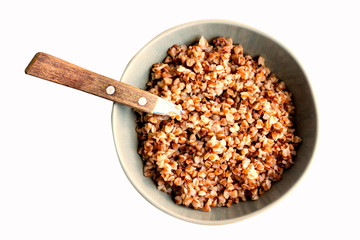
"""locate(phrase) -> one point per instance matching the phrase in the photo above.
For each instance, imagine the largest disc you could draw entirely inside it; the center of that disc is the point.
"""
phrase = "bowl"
(280, 61)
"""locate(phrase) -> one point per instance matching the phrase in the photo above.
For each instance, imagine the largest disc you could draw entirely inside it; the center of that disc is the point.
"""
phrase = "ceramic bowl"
(280, 61)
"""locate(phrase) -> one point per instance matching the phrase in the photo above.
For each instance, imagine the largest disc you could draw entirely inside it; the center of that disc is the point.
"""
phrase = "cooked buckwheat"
(236, 136)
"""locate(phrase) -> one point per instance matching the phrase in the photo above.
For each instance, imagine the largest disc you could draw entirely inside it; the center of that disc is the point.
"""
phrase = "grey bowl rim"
(316, 134)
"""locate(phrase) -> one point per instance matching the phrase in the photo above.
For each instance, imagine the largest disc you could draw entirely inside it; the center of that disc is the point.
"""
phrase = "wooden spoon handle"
(59, 71)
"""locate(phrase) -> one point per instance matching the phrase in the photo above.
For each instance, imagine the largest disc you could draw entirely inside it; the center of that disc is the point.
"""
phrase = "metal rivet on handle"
(142, 101)
(110, 90)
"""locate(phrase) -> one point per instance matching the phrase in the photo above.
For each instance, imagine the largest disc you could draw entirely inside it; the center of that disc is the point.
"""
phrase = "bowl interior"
(255, 43)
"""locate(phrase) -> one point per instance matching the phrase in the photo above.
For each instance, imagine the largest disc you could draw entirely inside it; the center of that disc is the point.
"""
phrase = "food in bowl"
(236, 135)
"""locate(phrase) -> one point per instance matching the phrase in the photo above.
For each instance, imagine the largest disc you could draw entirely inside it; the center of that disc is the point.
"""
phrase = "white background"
(59, 173)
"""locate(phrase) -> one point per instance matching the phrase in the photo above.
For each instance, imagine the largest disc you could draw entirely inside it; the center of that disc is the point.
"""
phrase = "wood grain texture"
(59, 71)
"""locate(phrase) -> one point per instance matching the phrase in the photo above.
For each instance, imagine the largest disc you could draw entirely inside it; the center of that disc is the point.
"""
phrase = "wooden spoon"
(59, 71)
